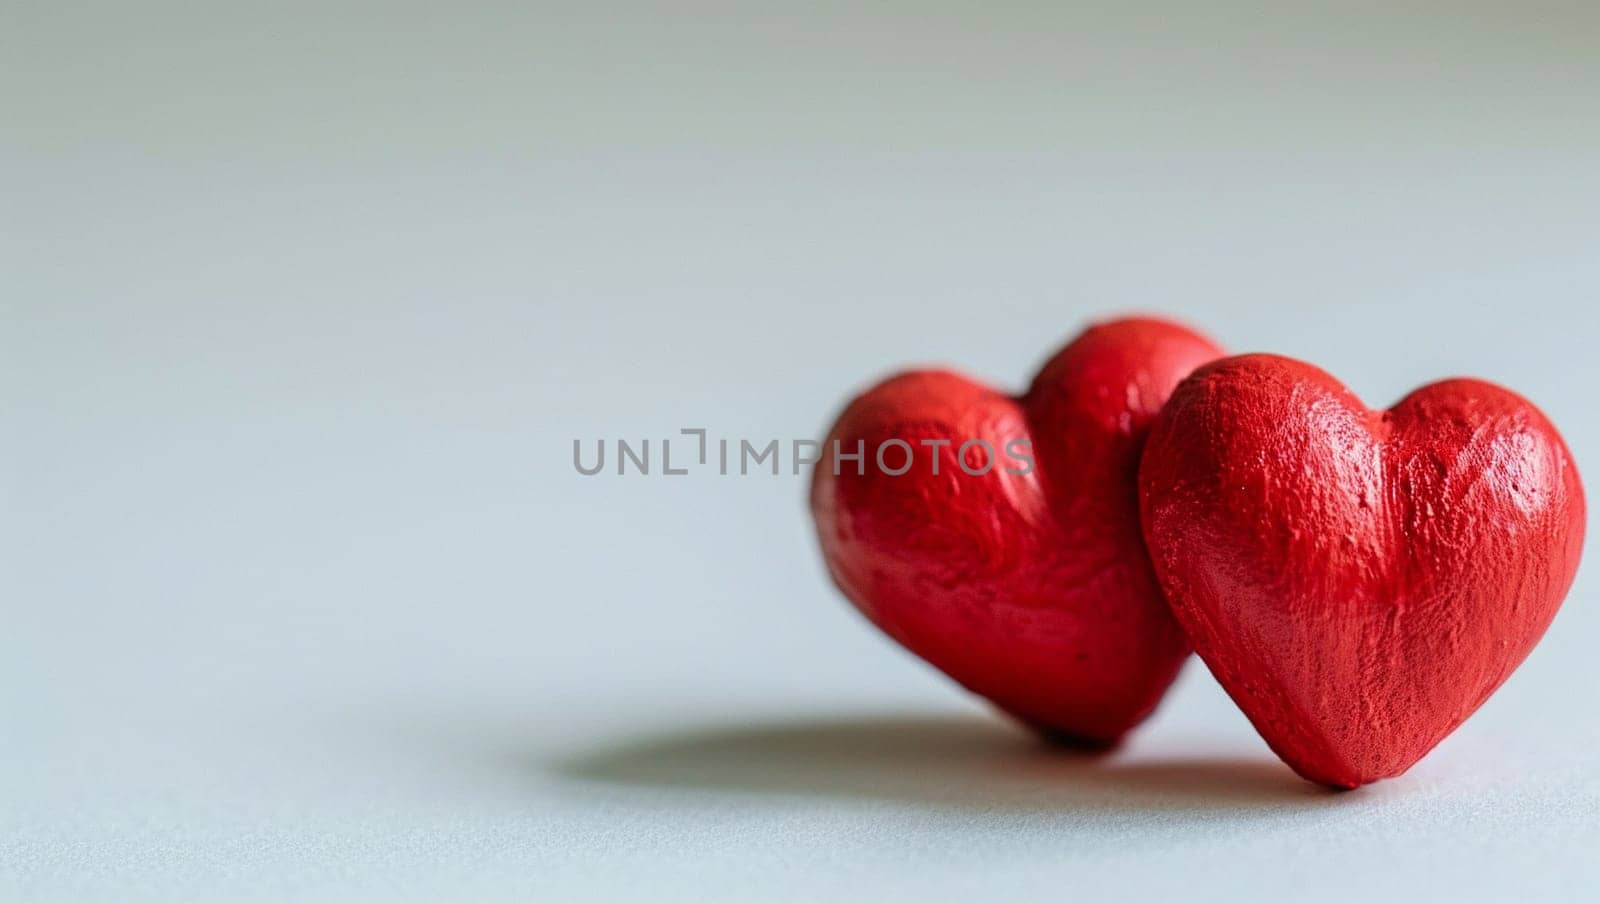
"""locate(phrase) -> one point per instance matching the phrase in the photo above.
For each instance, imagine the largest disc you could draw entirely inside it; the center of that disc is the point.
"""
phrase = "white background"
(303, 309)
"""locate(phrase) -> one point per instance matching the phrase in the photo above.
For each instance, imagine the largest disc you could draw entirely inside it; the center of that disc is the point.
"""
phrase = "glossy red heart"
(1028, 583)
(1358, 581)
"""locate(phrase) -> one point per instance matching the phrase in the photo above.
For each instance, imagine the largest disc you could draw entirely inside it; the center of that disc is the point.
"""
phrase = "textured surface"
(1021, 571)
(1358, 581)
(305, 302)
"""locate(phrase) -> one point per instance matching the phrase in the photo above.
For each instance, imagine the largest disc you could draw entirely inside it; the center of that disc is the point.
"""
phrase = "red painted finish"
(1358, 581)
(1033, 590)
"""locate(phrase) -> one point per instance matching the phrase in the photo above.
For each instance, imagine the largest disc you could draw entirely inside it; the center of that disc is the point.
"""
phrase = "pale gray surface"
(303, 309)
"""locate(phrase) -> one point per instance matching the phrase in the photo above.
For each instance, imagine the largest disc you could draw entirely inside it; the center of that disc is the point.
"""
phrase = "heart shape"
(1028, 582)
(1358, 581)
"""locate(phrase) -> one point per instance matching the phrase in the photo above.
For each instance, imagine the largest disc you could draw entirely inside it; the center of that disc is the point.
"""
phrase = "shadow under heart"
(941, 761)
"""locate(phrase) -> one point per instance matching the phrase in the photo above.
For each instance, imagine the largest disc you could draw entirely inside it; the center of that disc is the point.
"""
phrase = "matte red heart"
(1028, 583)
(1358, 581)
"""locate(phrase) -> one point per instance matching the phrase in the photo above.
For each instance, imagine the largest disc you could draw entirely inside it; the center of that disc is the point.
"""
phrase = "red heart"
(1358, 581)
(1031, 589)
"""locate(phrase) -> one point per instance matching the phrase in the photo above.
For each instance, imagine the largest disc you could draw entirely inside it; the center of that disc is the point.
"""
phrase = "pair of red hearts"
(1358, 581)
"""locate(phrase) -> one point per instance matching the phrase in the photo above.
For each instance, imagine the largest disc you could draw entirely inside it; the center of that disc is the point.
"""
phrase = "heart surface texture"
(1358, 581)
(1027, 583)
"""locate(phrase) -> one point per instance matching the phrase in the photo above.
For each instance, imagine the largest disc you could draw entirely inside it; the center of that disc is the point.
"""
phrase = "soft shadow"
(941, 761)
